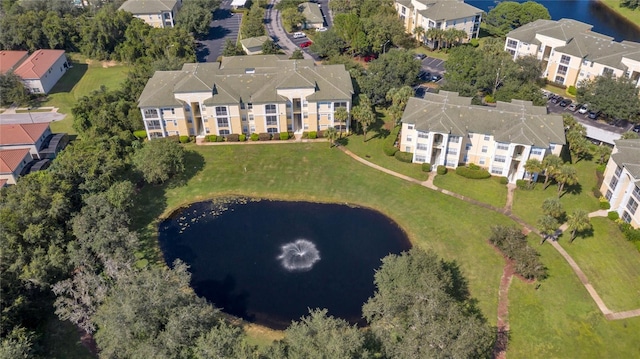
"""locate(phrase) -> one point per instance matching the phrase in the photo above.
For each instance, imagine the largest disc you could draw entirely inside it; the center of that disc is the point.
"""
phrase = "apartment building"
(446, 129)
(40, 71)
(621, 184)
(157, 13)
(570, 52)
(245, 95)
(439, 14)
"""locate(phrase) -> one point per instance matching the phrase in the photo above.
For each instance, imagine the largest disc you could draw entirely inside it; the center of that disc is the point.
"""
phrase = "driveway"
(275, 29)
(34, 117)
(225, 25)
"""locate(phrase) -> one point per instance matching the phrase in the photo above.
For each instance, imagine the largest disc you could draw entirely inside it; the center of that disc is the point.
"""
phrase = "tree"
(231, 49)
(160, 159)
(615, 96)
(297, 55)
(532, 166)
(195, 16)
(551, 165)
(567, 175)
(223, 341)
(421, 309)
(629, 135)
(12, 90)
(252, 22)
(602, 153)
(578, 221)
(419, 31)
(319, 335)
(510, 15)
(341, 115)
(292, 18)
(350, 29)
(547, 226)
(331, 134)
(552, 207)
(398, 98)
(328, 44)
(269, 47)
(101, 35)
(396, 68)
(363, 114)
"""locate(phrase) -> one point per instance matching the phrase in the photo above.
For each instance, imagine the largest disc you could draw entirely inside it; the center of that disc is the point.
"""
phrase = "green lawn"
(629, 14)
(80, 81)
(611, 263)
(527, 203)
(488, 190)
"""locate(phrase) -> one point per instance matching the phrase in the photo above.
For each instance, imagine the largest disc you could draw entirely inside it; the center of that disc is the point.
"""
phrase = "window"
(607, 71)
(245, 129)
(409, 127)
(564, 59)
(154, 125)
(467, 147)
(454, 139)
(272, 120)
(421, 147)
(552, 147)
(636, 192)
(632, 205)
(613, 183)
(224, 132)
(190, 120)
(559, 80)
(503, 146)
(452, 151)
(407, 149)
(404, 10)
(608, 195)
(272, 130)
(536, 151)
(242, 105)
(270, 108)
(250, 117)
(512, 43)
(409, 139)
(562, 70)
(618, 171)
(421, 159)
(151, 113)
(486, 137)
(253, 129)
(451, 163)
(496, 170)
(626, 217)
(206, 129)
(501, 159)
(244, 118)
(423, 135)
(249, 106)
(482, 160)
(223, 122)
(484, 149)
(221, 111)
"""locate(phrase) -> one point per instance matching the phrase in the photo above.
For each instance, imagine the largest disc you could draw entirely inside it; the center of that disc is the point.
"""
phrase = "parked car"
(436, 78)
(636, 129)
(424, 76)
(565, 102)
(594, 115)
(419, 56)
(573, 107)
(583, 109)
(550, 95)
(306, 44)
(420, 91)
(321, 29)
(299, 35)
(557, 99)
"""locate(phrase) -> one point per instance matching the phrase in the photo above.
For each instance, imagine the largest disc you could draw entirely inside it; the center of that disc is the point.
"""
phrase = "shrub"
(389, 145)
(212, 138)
(242, 137)
(254, 137)
(629, 232)
(467, 172)
(234, 137)
(604, 204)
(313, 135)
(275, 136)
(473, 166)
(284, 136)
(489, 99)
(504, 180)
(441, 170)
(426, 167)
(320, 134)
(613, 215)
(184, 139)
(174, 138)
(596, 192)
(513, 244)
(220, 139)
(601, 168)
(522, 184)
(572, 90)
(140, 134)
(264, 136)
(305, 134)
(404, 156)
(474, 42)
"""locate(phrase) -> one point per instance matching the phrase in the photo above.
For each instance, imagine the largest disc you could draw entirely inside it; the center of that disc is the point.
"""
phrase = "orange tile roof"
(21, 134)
(3, 182)
(38, 64)
(10, 159)
(10, 59)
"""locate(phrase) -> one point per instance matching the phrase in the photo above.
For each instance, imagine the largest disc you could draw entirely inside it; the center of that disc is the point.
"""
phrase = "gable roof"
(10, 159)
(138, 7)
(311, 12)
(516, 122)
(9, 60)
(449, 10)
(563, 29)
(38, 64)
(628, 156)
(21, 134)
(254, 41)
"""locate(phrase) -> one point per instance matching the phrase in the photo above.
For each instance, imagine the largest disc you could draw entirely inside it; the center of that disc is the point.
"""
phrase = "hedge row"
(404, 156)
(313, 134)
(234, 137)
(473, 173)
(513, 244)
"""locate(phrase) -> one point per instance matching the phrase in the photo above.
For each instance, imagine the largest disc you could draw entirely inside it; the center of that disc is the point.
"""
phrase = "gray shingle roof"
(312, 13)
(137, 7)
(254, 41)
(564, 29)
(517, 122)
(628, 156)
(449, 10)
(254, 79)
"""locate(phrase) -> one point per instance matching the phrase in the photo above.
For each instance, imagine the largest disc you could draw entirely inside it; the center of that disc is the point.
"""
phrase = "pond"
(269, 261)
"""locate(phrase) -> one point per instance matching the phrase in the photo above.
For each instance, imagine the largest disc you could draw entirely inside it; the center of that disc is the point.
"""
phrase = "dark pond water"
(268, 261)
(591, 12)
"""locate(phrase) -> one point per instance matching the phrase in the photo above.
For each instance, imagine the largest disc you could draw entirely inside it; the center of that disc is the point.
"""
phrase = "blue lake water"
(591, 12)
(268, 261)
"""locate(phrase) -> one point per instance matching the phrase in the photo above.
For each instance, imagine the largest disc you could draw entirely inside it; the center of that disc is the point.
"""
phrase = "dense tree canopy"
(195, 16)
(396, 68)
(615, 96)
(159, 160)
(510, 15)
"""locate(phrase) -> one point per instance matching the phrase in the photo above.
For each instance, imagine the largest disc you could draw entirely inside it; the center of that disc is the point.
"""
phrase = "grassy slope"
(80, 81)
(631, 15)
(488, 190)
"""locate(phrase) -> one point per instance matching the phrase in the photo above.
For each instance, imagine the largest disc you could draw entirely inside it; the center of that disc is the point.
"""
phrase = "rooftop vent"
(250, 70)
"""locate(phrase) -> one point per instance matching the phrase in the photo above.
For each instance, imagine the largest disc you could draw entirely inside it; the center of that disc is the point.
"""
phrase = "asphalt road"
(225, 25)
(582, 118)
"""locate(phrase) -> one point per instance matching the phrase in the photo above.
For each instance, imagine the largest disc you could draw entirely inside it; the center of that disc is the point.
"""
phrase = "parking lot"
(225, 25)
(433, 65)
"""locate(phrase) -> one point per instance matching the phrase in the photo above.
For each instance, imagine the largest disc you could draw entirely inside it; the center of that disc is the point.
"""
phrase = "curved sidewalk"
(507, 212)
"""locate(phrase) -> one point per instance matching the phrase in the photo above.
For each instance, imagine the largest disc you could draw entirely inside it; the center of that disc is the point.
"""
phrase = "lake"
(269, 261)
(603, 20)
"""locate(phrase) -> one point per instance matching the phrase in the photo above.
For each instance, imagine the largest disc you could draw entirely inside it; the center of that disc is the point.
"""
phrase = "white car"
(321, 29)
(297, 35)
(583, 109)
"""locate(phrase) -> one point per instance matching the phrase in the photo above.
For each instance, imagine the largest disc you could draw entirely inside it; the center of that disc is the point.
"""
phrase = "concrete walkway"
(507, 211)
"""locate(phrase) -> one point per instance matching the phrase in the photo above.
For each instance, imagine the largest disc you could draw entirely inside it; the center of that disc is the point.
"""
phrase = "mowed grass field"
(83, 78)
(557, 320)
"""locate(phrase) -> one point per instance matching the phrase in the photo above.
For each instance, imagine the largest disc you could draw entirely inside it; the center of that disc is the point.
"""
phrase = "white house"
(42, 70)
(621, 184)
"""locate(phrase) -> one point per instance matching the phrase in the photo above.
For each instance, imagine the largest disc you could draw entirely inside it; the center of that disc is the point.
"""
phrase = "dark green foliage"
(184, 139)
(426, 167)
(510, 15)
(442, 170)
(12, 90)
(297, 55)
(254, 137)
(604, 204)
(513, 244)
(394, 69)
(220, 139)
(523, 184)
(313, 135)
(629, 232)
(159, 159)
(284, 136)
(468, 172)
(242, 137)
(631, 4)
(389, 150)
(264, 136)
(232, 49)
(422, 309)
(212, 138)
(614, 96)
(504, 180)
(196, 15)
(234, 137)
(613, 215)
(270, 47)
(105, 113)
(252, 22)
(596, 192)
(404, 156)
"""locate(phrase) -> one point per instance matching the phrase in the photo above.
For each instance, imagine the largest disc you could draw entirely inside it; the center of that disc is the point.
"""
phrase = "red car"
(306, 44)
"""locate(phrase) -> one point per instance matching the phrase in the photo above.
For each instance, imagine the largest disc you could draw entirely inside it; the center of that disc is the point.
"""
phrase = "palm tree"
(552, 207)
(434, 35)
(341, 115)
(548, 226)
(461, 35)
(602, 152)
(449, 36)
(331, 134)
(532, 166)
(578, 221)
(551, 164)
(567, 175)
(399, 98)
(419, 31)
(365, 117)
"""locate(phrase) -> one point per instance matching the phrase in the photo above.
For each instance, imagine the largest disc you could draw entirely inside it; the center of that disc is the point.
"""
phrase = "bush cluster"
(630, 233)
(284, 136)
(426, 167)
(184, 139)
(404, 156)
(388, 146)
(212, 138)
(242, 137)
(572, 90)
(140, 134)
(473, 173)
(254, 137)
(264, 136)
(604, 204)
(234, 137)
(441, 170)
(504, 180)
(513, 244)
(596, 192)
(312, 135)
(522, 184)
(613, 215)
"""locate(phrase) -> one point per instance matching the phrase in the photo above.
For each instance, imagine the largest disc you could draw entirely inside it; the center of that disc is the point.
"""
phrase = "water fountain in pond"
(299, 256)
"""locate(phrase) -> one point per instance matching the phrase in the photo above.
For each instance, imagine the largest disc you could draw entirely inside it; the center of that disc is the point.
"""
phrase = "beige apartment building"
(439, 14)
(621, 184)
(570, 52)
(245, 95)
(157, 13)
(446, 129)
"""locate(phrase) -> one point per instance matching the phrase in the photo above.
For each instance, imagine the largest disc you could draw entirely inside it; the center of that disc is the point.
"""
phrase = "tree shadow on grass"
(572, 189)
